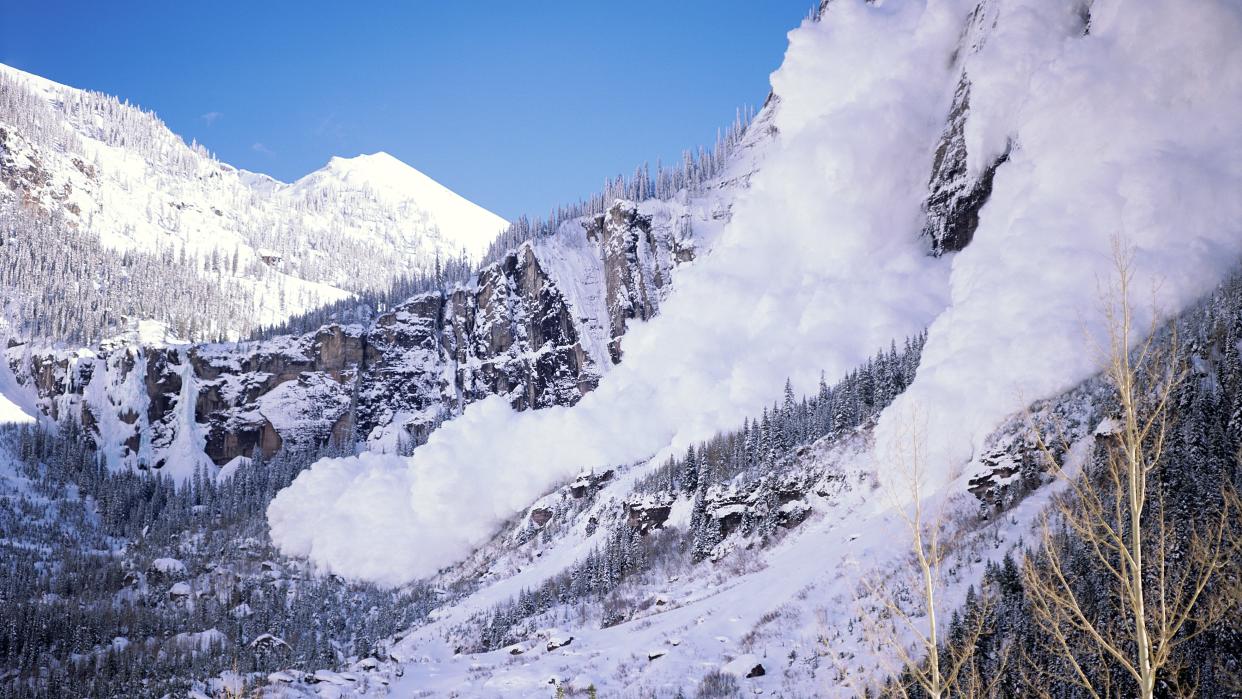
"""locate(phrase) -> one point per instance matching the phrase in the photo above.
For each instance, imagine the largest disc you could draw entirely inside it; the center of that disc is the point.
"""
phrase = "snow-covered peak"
(460, 221)
(109, 168)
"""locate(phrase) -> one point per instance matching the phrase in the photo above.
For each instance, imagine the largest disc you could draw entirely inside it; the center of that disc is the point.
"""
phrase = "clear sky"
(516, 105)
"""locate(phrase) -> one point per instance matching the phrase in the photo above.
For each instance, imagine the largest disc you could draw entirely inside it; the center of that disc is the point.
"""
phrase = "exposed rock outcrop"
(514, 332)
(632, 283)
(955, 197)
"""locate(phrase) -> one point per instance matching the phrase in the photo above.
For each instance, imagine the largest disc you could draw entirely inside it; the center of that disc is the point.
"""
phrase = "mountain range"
(690, 436)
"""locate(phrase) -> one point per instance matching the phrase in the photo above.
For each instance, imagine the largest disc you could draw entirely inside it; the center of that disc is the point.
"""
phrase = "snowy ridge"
(119, 173)
(421, 203)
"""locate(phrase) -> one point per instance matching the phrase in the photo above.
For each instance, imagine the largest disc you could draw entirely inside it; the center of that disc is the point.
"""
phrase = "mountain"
(422, 205)
(114, 172)
(694, 434)
(537, 328)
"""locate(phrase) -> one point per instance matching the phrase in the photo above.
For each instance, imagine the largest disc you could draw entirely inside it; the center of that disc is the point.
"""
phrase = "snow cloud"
(1128, 130)
(815, 271)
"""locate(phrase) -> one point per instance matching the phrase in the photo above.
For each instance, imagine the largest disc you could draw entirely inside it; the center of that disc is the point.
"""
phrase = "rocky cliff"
(532, 327)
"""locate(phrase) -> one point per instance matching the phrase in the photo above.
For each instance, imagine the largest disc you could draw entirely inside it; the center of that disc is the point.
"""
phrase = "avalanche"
(1128, 133)
(822, 263)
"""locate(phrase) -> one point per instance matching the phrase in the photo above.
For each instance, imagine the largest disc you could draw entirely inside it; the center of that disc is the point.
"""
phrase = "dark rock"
(649, 513)
(625, 237)
(588, 483)
(557, 642)
(955, 199)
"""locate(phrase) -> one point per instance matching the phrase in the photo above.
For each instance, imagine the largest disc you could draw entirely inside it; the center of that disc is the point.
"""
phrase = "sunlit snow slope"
(117, 172)
(1123, 127)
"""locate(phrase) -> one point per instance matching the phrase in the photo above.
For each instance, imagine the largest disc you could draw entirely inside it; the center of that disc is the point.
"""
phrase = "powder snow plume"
(1123, 131)
(1129, 132)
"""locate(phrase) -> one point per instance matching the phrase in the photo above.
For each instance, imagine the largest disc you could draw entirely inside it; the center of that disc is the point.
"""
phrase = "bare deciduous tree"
(1161, 578)
(910, 603)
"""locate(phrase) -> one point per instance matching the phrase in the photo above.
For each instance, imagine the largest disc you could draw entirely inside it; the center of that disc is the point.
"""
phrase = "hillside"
(690, 435)
(110, 172)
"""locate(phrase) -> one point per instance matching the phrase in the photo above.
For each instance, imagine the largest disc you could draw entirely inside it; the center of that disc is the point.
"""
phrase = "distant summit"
(458, 220)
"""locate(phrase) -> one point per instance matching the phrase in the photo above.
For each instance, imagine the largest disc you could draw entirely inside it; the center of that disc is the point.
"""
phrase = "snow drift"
(822, 264)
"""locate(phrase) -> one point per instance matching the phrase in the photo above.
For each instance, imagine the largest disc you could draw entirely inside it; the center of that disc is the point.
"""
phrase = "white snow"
(201, 640)
(355, 223)
(1130, 131)
(819, 267)
(185, 455)
(234, 465)
(461, 223)
(16, 405)
(168, 566)
(741, 665)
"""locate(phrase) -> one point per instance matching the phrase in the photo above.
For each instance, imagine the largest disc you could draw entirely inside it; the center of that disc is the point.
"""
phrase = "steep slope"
(943, 185)
(113, 171)
(823, 257)
(538, 328)
(389, 187)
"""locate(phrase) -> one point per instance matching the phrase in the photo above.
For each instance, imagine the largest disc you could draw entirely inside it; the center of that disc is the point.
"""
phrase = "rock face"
(955, 197)
(955, 193)
(520, 331)
(649, 512)
(632, 284)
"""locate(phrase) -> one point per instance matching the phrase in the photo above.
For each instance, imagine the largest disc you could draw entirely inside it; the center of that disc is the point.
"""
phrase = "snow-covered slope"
(823, 263)
(538, 328)
(117, 172)
(422, 205)
(940, 189)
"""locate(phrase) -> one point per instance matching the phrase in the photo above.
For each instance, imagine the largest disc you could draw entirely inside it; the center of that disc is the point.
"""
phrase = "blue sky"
(516, 105)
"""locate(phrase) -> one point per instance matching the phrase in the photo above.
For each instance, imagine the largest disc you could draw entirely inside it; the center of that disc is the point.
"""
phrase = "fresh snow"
(1130, 131)
(185, 455)
(168, 566)
(357, 223)
(801, 592)
(820, 260)
(821, 263)
(462, 224)
(16, 405)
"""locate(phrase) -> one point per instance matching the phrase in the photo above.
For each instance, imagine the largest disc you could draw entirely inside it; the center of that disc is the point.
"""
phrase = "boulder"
(540, 516)
(179, 592)
(745, 666)
(559, 642)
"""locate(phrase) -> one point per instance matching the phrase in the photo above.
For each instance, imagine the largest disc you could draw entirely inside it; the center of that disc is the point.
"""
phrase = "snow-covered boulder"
(268, 643)
(179, 591)
(745, 666)
(558, 641)
(165, 569)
